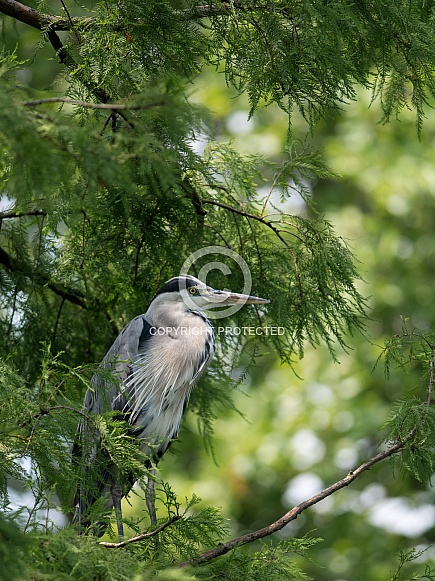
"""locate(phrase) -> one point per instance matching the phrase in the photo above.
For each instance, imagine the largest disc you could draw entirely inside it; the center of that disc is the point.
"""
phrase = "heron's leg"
(150, 497)
(116, 492)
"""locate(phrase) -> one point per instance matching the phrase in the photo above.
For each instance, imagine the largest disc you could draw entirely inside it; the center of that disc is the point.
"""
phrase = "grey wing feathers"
(137, 380)
(209, 349)
(107, 393)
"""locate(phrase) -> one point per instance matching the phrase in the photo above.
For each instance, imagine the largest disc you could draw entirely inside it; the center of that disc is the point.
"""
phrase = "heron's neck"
(174, 314)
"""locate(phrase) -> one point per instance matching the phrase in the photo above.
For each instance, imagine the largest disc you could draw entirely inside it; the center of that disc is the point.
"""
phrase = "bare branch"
(270, 225)
(247, 215)
(142, 536)
(47, 24)
(22, 13)
(37, 20)
(292, 514)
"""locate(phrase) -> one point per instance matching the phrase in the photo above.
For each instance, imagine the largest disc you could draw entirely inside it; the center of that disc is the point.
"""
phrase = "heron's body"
(156, 371)
(154, 363)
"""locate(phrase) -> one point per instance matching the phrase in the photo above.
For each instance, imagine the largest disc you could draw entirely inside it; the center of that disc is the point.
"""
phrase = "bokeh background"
(303, 427)
(306, 426)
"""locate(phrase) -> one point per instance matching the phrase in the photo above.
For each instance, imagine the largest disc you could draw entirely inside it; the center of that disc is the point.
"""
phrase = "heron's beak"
(228, 298)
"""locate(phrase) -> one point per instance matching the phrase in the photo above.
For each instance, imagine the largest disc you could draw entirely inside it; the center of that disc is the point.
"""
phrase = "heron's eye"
(193, 290)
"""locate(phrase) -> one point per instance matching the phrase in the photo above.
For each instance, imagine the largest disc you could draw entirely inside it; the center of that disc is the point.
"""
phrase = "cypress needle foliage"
(414, 417)
(104, 196)
(409, 557)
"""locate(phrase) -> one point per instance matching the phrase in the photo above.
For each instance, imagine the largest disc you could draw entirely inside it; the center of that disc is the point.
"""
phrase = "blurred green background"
(307, 426)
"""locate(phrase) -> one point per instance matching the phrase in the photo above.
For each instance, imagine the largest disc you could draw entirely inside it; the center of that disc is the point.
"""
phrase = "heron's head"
(196, 294)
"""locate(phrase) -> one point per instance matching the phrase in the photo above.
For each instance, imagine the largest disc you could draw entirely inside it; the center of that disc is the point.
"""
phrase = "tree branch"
(22, 13)
(142, 536)
(33, 18)
(192, 194)
(47, 24)
(66, 59)
(85, 104)
(14, 266)
(17, 214)
(292, 514)
(247, 215)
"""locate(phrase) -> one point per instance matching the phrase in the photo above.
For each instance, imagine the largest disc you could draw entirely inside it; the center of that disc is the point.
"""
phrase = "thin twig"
(46, 411)
(272, 187)
(248, 215)
(107, 122)
(269, 225)
(37, 20)
(431, 376)
(216, 231)
(17, 214)
(69, 19)
(65, 57)
(142, 536)
(292, 514)
(221, 9)
(11, 320)
(30, 16)
(87, 105)
(56, 325)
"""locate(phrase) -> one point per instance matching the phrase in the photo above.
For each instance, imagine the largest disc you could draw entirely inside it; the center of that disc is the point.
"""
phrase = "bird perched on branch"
(148, 375)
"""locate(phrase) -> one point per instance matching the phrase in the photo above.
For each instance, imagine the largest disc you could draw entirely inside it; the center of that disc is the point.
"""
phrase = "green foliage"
(12, 548)
(37, 424)
(412, 348)
(146, 188)
(404, 560)
(272, 562)
(38, 428)
(417, 419)
(101, 205)
(413, 419)
(198, 528)
(64, 555)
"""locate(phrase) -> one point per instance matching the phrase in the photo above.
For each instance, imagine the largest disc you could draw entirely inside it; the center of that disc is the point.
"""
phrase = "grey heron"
(154, 362)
